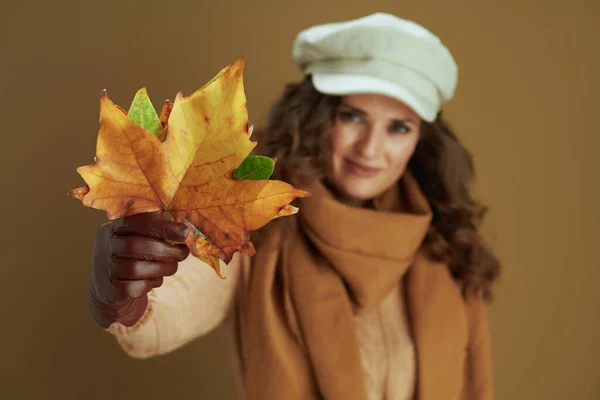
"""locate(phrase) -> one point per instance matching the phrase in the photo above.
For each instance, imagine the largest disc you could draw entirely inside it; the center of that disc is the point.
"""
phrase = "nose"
(371, 143)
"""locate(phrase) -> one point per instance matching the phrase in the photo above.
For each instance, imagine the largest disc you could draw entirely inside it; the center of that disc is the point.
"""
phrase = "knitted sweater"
(194, 301)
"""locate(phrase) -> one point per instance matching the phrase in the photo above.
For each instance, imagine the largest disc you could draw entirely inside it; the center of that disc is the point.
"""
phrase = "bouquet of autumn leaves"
(192, 164)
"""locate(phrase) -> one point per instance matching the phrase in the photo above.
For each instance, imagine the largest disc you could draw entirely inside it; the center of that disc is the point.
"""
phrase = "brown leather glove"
(131, 256)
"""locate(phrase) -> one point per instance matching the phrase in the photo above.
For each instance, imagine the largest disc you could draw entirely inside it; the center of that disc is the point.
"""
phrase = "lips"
(361, 169)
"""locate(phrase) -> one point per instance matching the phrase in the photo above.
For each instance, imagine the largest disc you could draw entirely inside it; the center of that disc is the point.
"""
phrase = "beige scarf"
(296, 330)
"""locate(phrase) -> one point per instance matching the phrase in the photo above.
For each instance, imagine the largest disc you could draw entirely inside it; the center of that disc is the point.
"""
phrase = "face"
(371, 142)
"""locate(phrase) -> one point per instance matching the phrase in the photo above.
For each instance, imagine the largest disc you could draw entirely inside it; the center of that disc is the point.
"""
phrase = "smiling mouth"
(361, 169)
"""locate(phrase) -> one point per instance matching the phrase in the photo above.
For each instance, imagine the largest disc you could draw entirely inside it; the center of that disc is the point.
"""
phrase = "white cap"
(380, 54)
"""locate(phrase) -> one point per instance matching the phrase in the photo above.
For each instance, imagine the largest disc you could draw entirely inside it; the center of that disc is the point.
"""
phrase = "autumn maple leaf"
(182, 164)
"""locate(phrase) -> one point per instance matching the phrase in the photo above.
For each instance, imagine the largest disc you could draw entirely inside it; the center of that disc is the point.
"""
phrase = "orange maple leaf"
(187, 172)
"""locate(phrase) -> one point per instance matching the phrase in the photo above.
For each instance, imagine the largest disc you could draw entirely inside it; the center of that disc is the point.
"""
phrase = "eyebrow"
(363, 113)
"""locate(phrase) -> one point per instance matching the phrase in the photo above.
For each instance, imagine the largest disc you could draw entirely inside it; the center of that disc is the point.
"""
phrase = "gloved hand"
(131, 256)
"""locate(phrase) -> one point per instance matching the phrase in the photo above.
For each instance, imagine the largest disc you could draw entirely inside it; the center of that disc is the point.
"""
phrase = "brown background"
(527, 96)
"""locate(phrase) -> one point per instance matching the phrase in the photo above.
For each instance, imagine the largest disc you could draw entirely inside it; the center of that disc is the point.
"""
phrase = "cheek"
(399, 154)
(340, 142)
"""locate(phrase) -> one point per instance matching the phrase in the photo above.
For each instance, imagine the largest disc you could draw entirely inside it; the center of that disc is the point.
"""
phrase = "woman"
(376, 289)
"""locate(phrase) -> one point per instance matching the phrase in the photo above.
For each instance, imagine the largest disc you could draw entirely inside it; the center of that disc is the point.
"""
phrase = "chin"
(355, 188)
(360, 192)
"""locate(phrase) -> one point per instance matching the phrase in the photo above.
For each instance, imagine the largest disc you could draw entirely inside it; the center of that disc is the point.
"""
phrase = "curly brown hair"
(296, 134)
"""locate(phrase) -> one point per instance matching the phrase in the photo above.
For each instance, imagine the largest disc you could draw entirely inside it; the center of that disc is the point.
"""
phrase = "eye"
(349, 116)
(399, 127)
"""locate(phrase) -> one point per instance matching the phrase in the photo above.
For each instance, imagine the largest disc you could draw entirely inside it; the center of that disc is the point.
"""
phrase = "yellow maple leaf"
(186, 172)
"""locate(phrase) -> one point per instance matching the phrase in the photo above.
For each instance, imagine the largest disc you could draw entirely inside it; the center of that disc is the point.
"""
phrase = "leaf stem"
(196, 230)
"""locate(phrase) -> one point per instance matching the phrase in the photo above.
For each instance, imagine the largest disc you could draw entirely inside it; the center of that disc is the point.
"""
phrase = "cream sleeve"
(188, 305)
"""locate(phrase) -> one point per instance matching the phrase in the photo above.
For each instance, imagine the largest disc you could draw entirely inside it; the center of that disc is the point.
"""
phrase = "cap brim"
(347, 84)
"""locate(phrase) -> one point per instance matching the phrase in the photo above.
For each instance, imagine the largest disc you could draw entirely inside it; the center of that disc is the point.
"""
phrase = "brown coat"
(317, 270)
(451, 335)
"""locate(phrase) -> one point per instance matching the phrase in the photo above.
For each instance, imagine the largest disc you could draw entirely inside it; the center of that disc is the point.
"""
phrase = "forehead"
(376, 104)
